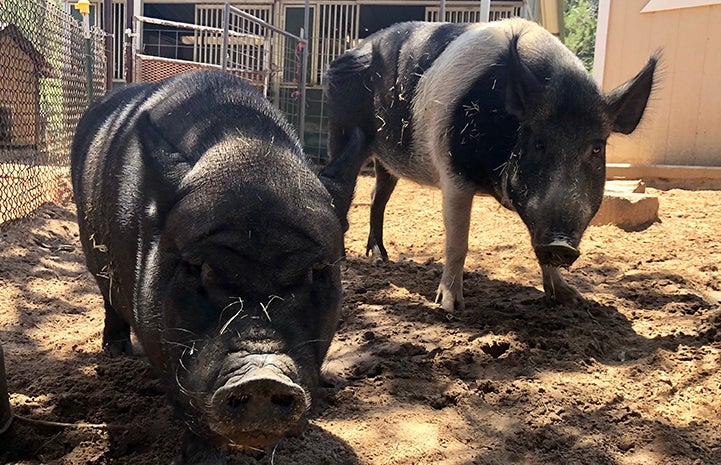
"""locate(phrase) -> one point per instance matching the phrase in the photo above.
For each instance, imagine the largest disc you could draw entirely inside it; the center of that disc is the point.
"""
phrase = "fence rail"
(43, 93)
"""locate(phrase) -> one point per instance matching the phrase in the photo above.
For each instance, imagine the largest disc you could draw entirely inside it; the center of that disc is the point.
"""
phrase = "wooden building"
(680, 136)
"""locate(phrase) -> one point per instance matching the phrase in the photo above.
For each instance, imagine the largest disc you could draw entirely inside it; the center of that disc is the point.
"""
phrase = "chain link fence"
(43, 93)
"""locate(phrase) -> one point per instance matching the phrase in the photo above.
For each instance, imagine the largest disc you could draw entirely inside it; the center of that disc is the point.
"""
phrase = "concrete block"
(627, 210)
(626, 185)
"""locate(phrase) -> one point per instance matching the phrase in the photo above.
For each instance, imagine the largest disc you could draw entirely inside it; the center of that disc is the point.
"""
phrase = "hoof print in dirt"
(496, 348)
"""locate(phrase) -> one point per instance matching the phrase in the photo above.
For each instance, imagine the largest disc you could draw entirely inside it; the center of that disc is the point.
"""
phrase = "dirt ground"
(630, 377)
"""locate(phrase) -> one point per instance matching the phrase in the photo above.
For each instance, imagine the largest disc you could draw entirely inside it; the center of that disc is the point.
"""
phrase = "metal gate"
(225, 38)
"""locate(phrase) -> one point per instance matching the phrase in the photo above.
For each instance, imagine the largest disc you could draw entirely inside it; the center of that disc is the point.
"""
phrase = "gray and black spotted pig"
(500, 108)
(210, 236)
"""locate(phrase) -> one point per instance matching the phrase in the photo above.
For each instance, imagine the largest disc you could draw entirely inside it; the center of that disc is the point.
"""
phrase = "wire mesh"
(43, 93)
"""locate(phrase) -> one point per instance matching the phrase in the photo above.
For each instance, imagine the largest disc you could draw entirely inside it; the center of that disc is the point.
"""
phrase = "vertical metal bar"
(278, 47)
(315, 61)
(442, 11)
(332, 32)
(226, 28)
(266, 66)
(323, 45)
(218, 48)
(303, 77)
(201, 39)
(344, 32)
(213, 44)
(211, 47)
(237, 52)
(118, 40)
(207, 36)
(6, 414)
(351, 27)
(356, 31)
(206, 57)
(108, 29)
(196, 35)
(129, 13)
(485, 11)
(89, 68)
(324, 27)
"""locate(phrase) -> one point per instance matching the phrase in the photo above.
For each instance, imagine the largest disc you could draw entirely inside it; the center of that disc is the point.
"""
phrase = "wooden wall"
(682, 125)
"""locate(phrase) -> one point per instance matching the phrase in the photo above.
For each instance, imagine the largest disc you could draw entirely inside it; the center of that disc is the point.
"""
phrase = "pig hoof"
(378, 252)
(448, 302)
(120, 347)
(558, 292)
(566, 296)
(330, 380)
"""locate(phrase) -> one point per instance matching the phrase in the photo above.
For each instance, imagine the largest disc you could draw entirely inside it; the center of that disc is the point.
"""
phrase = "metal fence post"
(89, 68)
(6, 414)
(226, 28)
(130, 45)
(83, 6)
(304, 72)
(108, 30)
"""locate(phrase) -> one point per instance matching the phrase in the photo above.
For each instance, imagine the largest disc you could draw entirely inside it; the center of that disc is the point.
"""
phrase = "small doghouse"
(21, 69)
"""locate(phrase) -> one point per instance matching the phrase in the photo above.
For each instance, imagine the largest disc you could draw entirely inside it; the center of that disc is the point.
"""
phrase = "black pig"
(210, 236)
(500, 108)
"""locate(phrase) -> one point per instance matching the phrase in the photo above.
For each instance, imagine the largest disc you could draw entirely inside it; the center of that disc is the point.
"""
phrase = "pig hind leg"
(556, 288)
(116, 334)
(385, 184)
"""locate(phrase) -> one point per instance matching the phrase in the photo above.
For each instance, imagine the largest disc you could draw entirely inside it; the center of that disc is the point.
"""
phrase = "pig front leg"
(558, 291)
(385, 184)
(457, 203)
(116, 333)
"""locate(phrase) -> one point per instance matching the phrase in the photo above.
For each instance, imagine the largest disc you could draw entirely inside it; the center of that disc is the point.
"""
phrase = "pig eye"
(318, 272)
(539, 145)
(317, 269)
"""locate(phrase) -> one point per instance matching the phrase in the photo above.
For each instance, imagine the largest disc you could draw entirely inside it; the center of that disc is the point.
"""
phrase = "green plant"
(580, 18)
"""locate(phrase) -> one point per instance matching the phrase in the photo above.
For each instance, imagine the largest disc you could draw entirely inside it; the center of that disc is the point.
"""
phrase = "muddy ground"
(631, 377)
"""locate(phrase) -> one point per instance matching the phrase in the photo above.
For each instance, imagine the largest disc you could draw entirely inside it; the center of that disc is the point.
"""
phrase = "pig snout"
(258, 407)
(557, 253)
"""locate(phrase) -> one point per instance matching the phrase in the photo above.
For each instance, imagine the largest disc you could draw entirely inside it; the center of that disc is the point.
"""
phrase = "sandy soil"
(631, 377)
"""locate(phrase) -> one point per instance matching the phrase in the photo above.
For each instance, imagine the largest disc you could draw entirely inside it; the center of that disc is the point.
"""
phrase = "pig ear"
(340, 175)
(522, 84)
(165, 165)
(627, 102)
